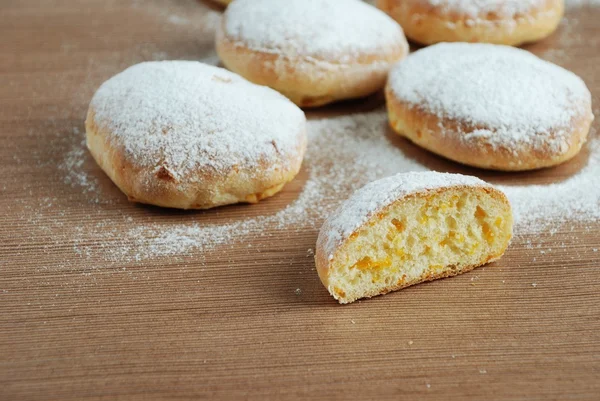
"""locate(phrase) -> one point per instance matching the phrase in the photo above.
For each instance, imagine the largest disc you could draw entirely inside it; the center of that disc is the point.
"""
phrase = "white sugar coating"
(371, 199)
(507, 96)
(337, 30)
(192, 116)
(474, 8)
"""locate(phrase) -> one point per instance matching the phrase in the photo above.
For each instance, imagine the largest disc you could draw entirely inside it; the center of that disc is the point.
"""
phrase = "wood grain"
(229, 322)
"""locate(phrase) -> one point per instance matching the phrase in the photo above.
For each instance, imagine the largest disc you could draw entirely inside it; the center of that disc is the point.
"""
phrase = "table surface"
(249, 318)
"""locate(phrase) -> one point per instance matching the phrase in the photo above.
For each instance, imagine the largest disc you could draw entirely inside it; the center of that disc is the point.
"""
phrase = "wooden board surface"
(83, 318)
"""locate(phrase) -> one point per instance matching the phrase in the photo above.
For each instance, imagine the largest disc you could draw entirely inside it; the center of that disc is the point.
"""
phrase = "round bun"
(187, 135)
(223, 2)
(489, 106)
(313, 51)
(409, 228)
(508, 22)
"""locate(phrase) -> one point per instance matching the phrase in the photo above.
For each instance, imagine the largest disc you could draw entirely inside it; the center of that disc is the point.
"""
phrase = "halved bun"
(410, 228)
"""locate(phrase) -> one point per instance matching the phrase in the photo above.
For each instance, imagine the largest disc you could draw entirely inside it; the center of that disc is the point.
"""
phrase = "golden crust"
(425, 129)
(195, 190)
(427, 24)
(309, 81)
(324, 263)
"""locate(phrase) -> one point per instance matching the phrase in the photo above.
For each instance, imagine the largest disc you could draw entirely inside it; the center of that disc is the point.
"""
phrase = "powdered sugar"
(75, 175)
(474, 8)
(502, 95)
(344, 154)
(571, 4)
(188, 116)
(376, 195)
(326, 29)
(538, 207)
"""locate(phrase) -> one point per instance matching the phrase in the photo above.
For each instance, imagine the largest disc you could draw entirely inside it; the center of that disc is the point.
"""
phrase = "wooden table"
(248, 319)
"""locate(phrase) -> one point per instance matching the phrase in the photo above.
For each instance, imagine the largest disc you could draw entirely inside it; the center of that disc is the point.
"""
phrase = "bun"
(410, 228)
(313, 51)
(187, 135)
(508, 22)
(489, 106)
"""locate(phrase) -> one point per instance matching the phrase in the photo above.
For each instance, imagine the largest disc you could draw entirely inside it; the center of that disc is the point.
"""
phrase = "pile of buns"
(187, 135)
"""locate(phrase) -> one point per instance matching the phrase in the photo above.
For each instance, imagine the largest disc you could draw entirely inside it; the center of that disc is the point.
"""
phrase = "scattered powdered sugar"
(152, 240)
(569, 35)
(184, 13)
(475, 8)
(566, 37)
(344, 154)
(570, 4)
(187, 116)
(337, 165)
(504, 96)
(538, 207)
(177, 20)
(74, 174)
(326, 29)
(376, 195)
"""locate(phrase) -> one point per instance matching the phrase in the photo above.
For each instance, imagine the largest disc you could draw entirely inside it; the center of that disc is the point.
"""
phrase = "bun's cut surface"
(410, 228)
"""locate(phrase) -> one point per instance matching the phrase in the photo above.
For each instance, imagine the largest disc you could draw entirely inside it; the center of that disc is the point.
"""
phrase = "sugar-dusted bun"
(187, 135)
(410, 228)
(507, 22)
(489, 106)
(313, 51)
